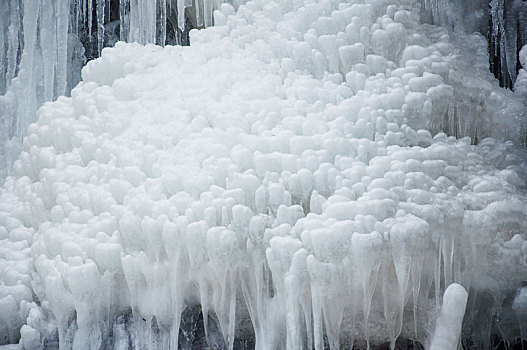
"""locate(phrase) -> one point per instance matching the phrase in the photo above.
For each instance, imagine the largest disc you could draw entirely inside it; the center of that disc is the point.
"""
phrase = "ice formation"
(503, 22)
(509, 30)
(44, 44)
(42, 48)
(448, 329)
(286, 173)
(520, 86)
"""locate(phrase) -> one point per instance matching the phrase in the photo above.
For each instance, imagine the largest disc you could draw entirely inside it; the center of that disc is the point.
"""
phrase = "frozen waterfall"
(307, 174)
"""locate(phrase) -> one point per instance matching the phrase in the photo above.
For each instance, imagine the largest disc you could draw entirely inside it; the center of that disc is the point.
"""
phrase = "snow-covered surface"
(281, 167)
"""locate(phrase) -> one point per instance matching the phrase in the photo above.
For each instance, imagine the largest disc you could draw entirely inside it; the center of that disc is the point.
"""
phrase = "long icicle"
(62, 15)
(100, 24)
(27, 104)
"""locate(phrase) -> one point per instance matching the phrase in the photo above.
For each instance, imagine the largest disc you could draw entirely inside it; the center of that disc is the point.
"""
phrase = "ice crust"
(286, 166)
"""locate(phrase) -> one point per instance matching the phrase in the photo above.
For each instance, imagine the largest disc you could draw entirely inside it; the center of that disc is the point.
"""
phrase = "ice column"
(448, 326)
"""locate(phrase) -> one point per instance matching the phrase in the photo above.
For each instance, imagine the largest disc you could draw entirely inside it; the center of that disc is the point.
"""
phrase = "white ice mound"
(274, 173)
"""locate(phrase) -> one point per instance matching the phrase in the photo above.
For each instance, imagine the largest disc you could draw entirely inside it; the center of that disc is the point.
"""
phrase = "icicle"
(437, 276)
(292, 312)
(84, 10)
(199, 13)
(366, 252)
(13, 33)
(150, 26)
(457, 262)
(27, 105)
(333, 309)
(255, 287)
(163, 21)
(495, 24)
(78, 16)
(519, 305)
(415, 272)
(100, 25)
(321, 276)
(108, 8)
(207, 12)
(124, 18)
(232, 309)
(90, 17)
(392, 301)
(62, 15)
(142, 22)
(510, 31)
(133, 19)
(48, 44)
(448, 251)
(181, 15)
(408, 239)
(504, 42)
(3, 83)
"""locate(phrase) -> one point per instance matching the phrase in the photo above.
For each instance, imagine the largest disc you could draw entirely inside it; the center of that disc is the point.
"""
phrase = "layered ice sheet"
(285, 171)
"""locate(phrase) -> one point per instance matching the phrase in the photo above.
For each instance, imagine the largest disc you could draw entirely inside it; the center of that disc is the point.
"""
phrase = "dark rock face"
(192, 334)
(507, 33)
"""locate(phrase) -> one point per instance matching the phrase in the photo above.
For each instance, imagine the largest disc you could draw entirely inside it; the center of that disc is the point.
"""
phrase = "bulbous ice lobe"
(277, 169)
